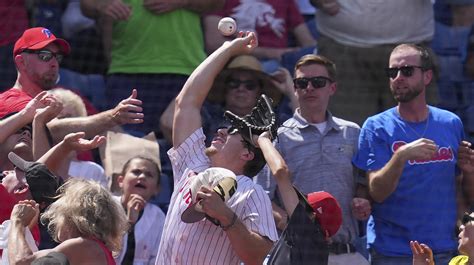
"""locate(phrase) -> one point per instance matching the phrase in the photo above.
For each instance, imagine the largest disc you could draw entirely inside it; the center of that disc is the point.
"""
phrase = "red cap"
(38, 38)
(327, 210)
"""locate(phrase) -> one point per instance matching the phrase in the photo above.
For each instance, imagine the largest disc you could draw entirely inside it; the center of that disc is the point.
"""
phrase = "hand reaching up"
(76, 142)
(128, 111)
(422, 254)
(25, 212)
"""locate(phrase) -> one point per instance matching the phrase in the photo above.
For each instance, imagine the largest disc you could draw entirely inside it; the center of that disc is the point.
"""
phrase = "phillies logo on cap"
(47, 33)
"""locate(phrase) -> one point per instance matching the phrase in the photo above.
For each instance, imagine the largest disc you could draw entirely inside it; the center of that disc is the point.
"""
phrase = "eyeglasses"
(231, 130)
(316, 82)
(406, 70)
(467, 218)
(248, 84)
(46, 55)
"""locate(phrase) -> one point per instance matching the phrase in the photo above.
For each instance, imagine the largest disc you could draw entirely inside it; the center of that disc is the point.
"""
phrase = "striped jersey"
(203, 242)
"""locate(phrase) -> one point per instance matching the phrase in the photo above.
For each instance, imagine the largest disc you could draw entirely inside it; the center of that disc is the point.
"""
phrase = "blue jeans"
(379, 259)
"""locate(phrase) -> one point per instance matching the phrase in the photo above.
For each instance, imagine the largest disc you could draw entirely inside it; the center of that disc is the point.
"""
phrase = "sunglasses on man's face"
(46, 55)
(466, 219)
(406, 71)
(316, 82)
(248, 84)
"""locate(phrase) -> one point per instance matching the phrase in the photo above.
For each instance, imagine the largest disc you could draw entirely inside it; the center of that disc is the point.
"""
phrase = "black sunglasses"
(316, 82)
(466, 218)
(248, 84)
(406, 70)
(46, 55)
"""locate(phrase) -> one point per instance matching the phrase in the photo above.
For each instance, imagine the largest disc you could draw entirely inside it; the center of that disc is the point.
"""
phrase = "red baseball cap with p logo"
(38, 38)
(327, 210)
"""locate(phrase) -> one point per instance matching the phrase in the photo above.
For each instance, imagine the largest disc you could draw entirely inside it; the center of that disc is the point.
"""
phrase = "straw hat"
(243, 63)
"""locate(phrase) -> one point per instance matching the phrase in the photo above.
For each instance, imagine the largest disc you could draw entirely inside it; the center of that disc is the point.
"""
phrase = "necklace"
(413, 129)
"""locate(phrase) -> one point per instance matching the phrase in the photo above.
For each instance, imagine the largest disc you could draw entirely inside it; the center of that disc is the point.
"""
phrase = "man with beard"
(246, 230)
(412, 154)
(37, 55)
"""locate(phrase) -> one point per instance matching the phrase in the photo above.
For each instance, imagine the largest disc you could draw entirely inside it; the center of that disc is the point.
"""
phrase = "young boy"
(139, 182)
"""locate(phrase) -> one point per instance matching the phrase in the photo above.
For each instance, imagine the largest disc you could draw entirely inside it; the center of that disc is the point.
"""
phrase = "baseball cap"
(221, 180)
(327, 210)
(42, 183)
(53, 258)
(38, 38)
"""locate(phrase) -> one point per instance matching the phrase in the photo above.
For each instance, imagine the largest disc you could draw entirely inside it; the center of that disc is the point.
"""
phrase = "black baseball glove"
(260, 120)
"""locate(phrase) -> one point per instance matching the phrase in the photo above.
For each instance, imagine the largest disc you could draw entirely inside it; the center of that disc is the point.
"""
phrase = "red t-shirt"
(7, 202)
(270, 19)
(13, 100)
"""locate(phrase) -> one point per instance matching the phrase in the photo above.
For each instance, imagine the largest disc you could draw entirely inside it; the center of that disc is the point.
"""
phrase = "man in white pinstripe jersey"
(247, 229)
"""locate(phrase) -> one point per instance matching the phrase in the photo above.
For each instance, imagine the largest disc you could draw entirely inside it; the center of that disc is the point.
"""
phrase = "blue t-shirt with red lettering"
(423, 206)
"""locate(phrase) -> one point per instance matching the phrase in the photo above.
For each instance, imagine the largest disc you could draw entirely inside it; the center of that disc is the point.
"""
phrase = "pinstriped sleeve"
(190, 154)
(258, 215)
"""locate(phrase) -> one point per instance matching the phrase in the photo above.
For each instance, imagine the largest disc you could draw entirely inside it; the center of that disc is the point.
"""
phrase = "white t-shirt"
(366, 23)
(88, 170)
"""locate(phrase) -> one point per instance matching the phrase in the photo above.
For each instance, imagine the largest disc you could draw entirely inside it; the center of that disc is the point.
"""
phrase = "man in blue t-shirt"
(413, 154)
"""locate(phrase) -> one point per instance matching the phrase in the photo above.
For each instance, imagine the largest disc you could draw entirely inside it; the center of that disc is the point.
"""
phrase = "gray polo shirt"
(320, 162)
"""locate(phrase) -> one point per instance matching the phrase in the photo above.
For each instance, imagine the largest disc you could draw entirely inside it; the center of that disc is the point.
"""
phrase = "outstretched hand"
(244, 43)
(76, 142)
(129, 110)
(422, 254)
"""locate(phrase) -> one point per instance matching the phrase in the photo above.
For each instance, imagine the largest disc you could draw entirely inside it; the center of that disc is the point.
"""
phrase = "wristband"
(232, 223)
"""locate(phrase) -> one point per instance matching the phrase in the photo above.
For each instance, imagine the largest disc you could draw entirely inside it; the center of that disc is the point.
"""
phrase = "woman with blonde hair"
(85, 219)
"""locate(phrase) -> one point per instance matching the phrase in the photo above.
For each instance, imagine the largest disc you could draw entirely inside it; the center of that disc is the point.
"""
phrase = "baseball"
(227, 26)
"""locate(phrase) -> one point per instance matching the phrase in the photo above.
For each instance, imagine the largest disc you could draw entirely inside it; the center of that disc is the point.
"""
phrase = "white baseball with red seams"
(227, 26)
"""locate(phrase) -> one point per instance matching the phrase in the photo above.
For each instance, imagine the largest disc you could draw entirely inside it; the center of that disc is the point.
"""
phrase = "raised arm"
(384, 181)
(128, 111)
(280, 171)
(188, 103)
(10, 125)
(72, 142)
(166, 122)
(22, 215)
(41, 141)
